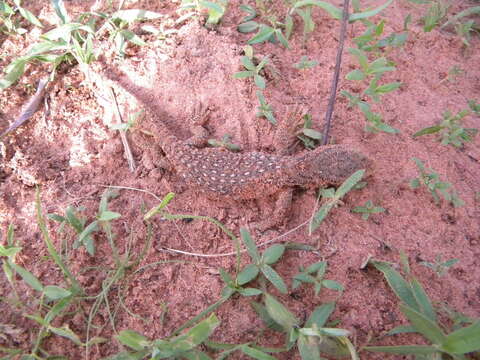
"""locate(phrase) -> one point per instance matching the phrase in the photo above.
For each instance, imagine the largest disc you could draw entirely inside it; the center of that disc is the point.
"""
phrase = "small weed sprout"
(333, 198)
(474, 106)
(451, 130)
(224, 143)
(435, 14)
(253, 71)
(438, 266)
(308, 136)
(212, 10)
(305, 64)
(368, 209)
(265, 110)
(431, 180)
(261, 263)
(314, 274)
(464, 29)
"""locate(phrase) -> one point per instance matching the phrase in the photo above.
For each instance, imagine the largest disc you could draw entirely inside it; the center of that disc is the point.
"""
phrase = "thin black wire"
(336, 74)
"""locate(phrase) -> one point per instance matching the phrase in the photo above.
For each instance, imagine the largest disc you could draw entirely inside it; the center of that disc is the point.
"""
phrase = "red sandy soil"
(72, 153)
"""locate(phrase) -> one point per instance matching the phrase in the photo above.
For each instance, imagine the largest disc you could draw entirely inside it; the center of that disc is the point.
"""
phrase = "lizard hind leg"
(278, 217)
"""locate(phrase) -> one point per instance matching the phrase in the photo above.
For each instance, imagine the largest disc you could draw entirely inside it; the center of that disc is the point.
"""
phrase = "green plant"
(9, 22)
(372, 71)
(314, 274)
(214, 10)
(451, 130)
(261, 263)
(418, 309)
(265, 110)
(368, 209)
(435, 14)
(224, 143)
(253, 71)
(305, 64)
(180, 346)
(308, 136)
(438, 266)
(371, 39)
(333, 198)
(431, 180)
(474, 106)
(464, 29)
(74, 40)
(272, 32)
(103, 219)
(313, 339)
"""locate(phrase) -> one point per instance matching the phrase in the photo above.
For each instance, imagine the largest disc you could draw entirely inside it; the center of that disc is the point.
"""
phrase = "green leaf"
(308, 347)
(197, 335)
(273, 253)
(280, 314)
(248, 64)
(87, 232)
(428, 130)
(132, 37)
(54, 292)
(132, 15)
(464, 340)
(250, 245)
(14, 71)
(249, 273)
(367, 14)
(248, 26)
(281, 38)
(424, 325)
(332, 285)
(320, 215)
(361, 57)
(27, 276)
(349, 183)
(320, 315)
(133, 340)
(263, 34)
(108, 216)
(266, 318)
(334, 12)
(313, 134)
(422, 300)
(259, 81)
(30, 17)
(9, 251)
(256, 354)
(467, 12)
(249, 292)
(274, 278)
(243, 74)
(159, 207)
(382, 89)
(61, 11)
(355, 75)
(64, 31)
(66, 333)
(397, 283)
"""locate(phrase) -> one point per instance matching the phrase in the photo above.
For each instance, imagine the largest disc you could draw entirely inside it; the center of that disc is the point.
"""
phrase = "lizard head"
(332, 164)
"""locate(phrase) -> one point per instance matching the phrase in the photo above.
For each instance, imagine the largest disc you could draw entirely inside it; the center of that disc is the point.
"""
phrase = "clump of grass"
(9, 19)
(418, 309)
(74, 40)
